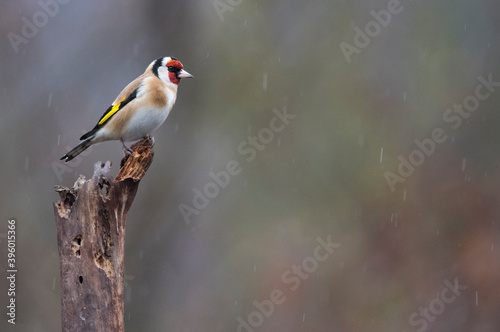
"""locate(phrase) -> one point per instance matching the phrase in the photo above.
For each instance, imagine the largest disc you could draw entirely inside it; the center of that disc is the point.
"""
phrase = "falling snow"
(259, 219)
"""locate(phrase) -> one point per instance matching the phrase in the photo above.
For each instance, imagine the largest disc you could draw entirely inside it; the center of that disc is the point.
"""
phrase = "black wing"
(112, 110)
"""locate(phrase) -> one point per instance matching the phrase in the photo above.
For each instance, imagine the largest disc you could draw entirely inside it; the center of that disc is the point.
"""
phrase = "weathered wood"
(91, 219)
(134, 166)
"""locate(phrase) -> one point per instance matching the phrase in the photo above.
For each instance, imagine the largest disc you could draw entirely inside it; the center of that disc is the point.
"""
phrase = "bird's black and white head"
(169, 70)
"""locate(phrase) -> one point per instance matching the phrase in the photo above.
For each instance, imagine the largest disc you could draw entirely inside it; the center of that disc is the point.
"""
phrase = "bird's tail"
(78, 149)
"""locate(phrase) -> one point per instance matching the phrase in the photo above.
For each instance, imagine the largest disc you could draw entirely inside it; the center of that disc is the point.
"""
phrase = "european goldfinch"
(139, 109)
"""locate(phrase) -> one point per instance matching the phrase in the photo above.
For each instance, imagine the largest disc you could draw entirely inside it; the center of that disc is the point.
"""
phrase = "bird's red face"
(176, 71)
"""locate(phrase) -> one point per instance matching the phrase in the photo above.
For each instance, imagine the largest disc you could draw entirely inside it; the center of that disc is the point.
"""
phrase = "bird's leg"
(126, 150)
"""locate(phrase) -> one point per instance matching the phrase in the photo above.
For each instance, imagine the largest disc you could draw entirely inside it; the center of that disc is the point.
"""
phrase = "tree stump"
(91, 219)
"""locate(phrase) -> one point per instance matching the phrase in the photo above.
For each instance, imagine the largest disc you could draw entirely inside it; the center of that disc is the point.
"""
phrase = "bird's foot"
(126, 150)
(152, 140)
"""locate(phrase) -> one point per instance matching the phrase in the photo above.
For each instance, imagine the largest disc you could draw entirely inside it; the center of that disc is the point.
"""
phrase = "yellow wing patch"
(112, 111)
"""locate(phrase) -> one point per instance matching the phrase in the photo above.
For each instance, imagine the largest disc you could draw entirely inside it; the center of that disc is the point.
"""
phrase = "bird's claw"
(152, 140)
(126, 150)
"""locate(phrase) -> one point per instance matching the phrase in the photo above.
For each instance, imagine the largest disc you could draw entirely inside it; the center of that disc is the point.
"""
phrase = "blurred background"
(414, 231)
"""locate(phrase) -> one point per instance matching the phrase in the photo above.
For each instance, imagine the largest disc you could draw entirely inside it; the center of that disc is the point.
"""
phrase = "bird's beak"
(184, 74)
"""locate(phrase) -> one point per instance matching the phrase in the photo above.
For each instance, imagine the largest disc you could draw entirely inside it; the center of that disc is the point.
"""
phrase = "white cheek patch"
(163, 74)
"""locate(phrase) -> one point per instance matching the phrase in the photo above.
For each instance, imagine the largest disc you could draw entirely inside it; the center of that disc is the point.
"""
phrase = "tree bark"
(90, 220)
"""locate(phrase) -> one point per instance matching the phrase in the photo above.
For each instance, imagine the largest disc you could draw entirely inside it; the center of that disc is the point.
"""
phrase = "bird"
(141, 108)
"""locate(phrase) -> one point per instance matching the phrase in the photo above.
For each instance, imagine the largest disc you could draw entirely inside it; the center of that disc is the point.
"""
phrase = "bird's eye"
(171, 68)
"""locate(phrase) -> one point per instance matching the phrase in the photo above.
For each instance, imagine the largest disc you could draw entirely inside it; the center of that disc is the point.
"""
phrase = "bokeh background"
(323, 175)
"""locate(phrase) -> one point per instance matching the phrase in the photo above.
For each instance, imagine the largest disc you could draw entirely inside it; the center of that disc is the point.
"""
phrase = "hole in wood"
(69, 200)
(105, 187)
(80, 278)
(76, 244)
(104, 263)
